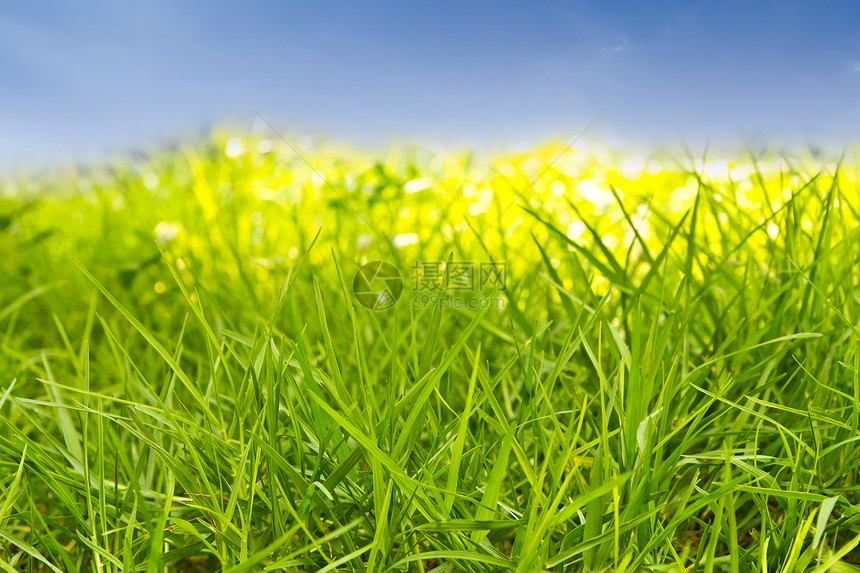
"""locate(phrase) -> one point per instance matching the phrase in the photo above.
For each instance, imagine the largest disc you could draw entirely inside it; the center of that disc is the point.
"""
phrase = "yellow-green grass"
(670, 384)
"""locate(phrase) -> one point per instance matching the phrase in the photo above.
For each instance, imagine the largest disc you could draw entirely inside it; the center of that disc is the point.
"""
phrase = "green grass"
(673, 384)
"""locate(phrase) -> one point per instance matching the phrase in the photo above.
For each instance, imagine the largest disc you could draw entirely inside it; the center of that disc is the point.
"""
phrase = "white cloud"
(621, 47)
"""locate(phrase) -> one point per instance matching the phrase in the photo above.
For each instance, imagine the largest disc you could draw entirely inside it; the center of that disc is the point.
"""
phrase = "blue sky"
(91, 78)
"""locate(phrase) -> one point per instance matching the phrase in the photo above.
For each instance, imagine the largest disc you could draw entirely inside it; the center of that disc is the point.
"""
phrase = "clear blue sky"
(94, 77)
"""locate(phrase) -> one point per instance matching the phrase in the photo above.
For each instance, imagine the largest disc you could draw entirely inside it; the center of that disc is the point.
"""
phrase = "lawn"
(574, 360)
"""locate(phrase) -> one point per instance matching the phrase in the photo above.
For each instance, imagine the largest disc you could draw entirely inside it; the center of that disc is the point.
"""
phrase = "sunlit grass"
(672, 384)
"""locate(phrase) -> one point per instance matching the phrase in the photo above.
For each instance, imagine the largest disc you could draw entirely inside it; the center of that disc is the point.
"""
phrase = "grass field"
(671, 381)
